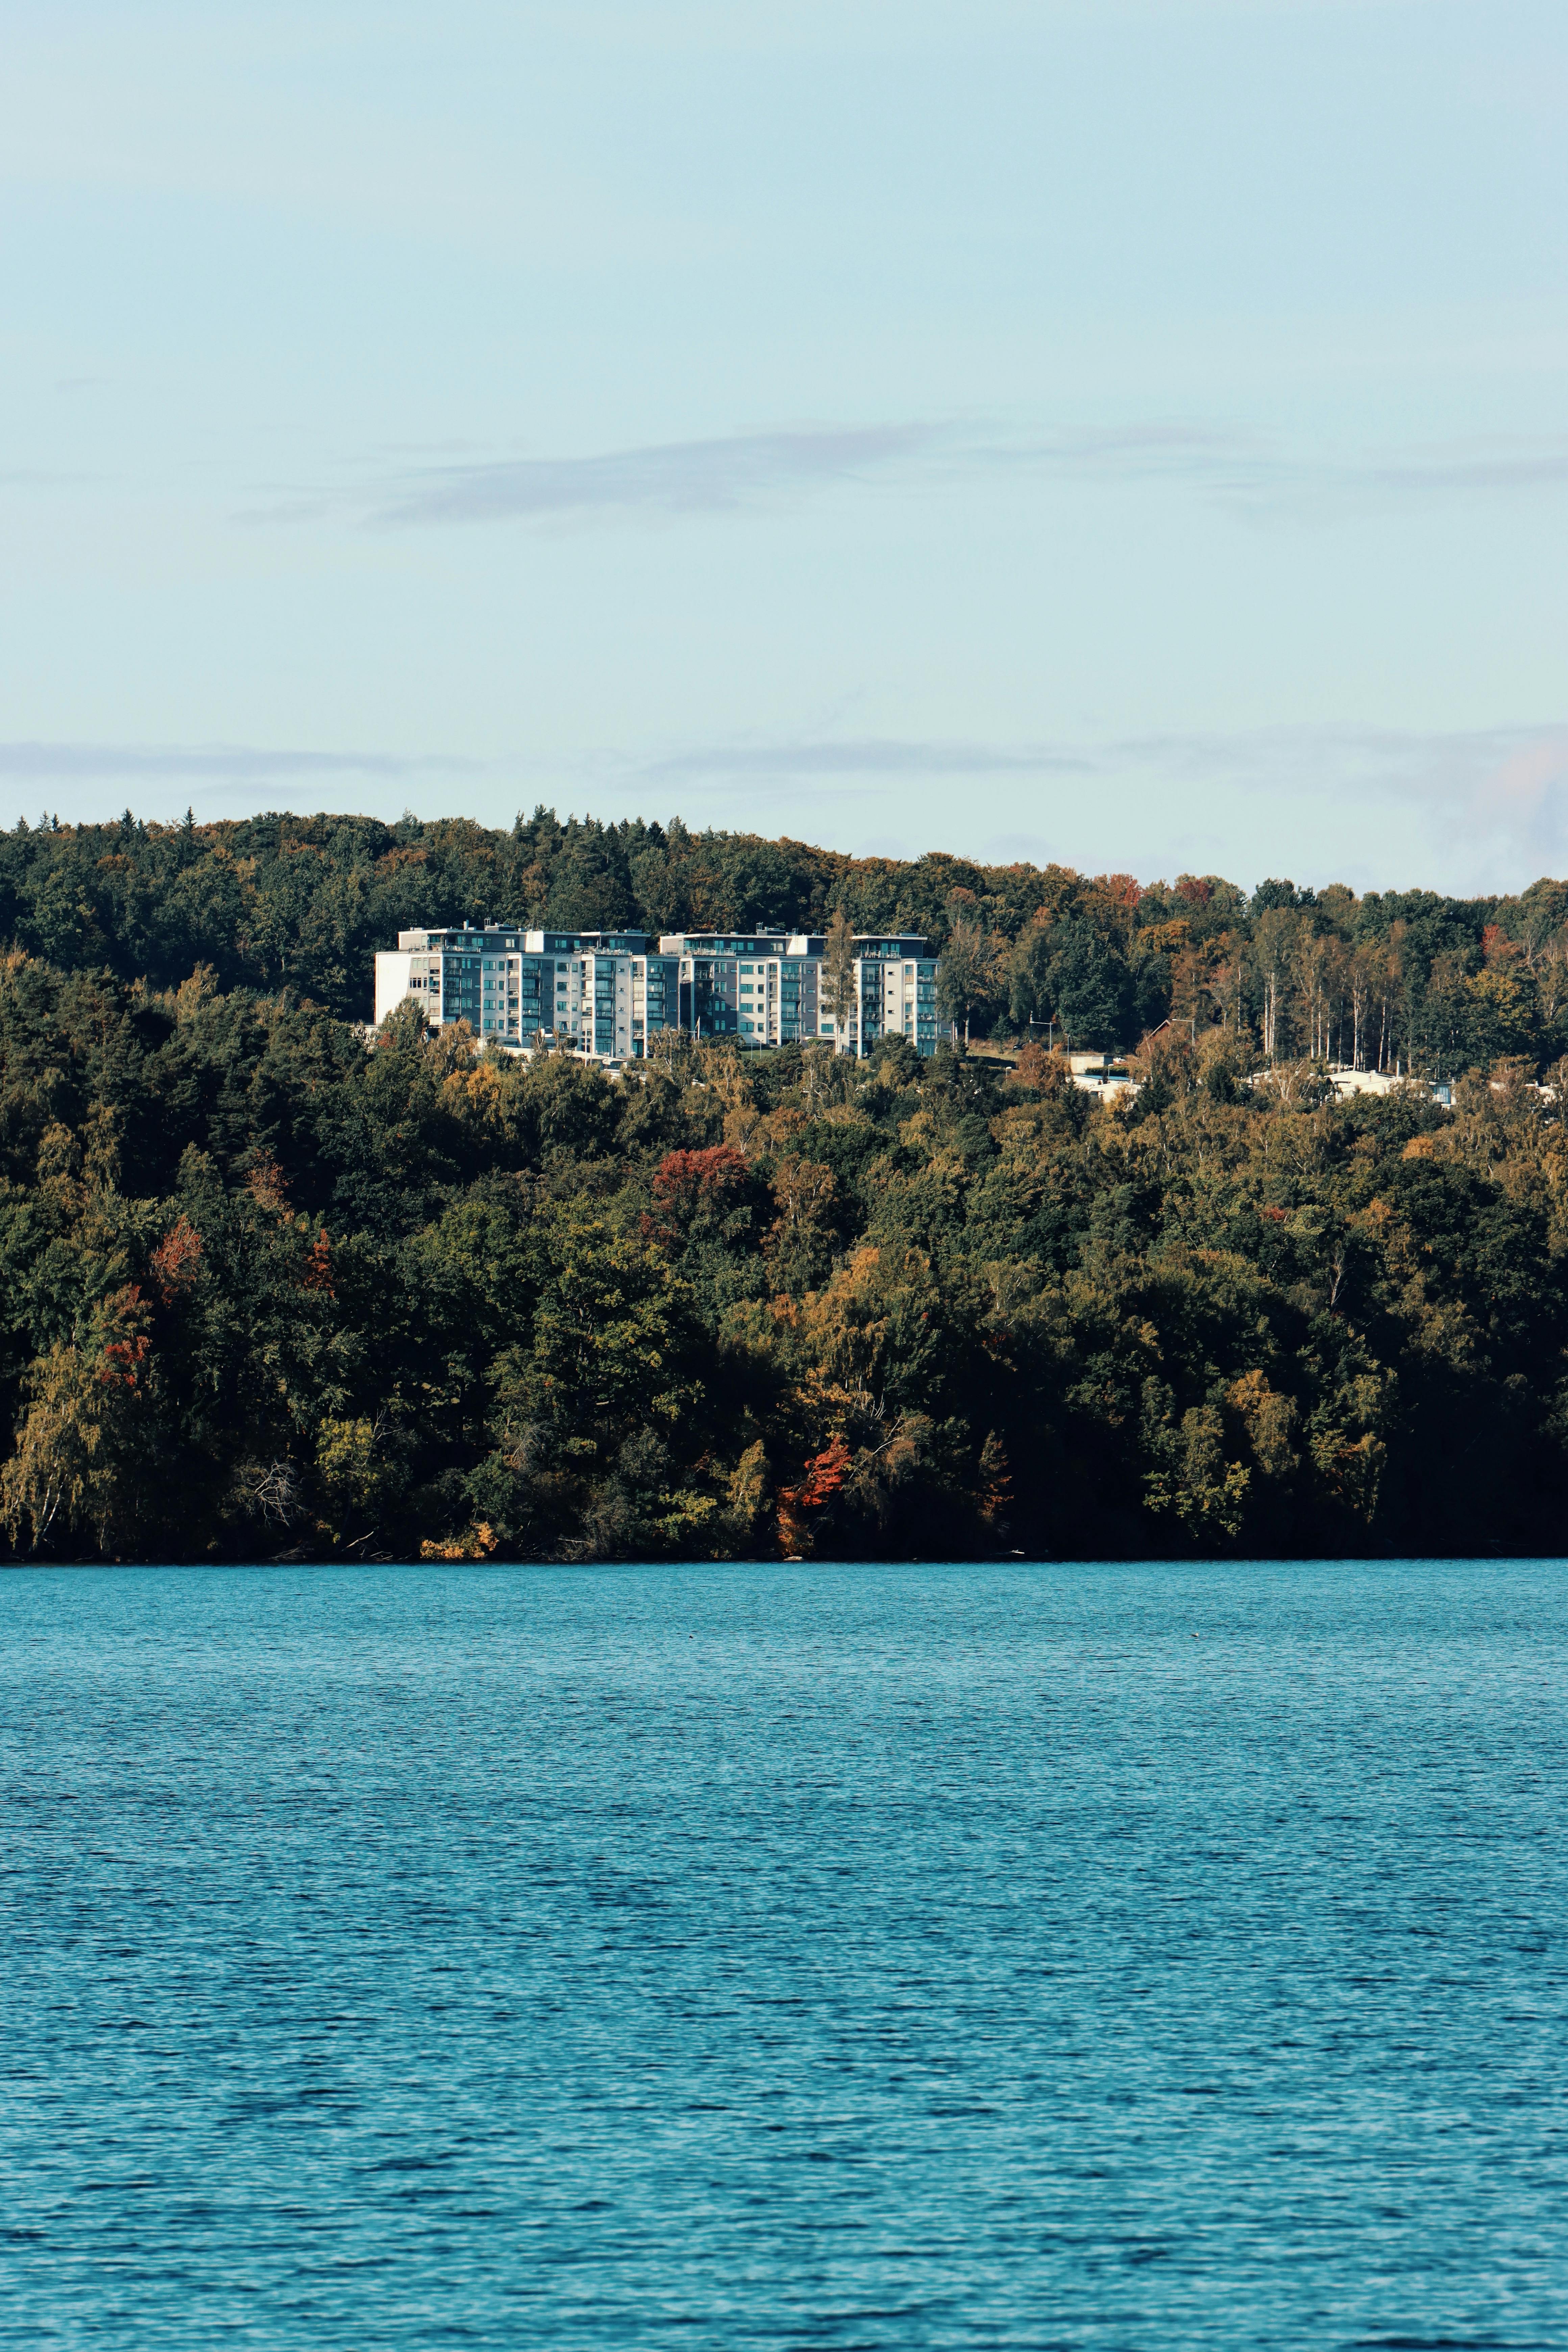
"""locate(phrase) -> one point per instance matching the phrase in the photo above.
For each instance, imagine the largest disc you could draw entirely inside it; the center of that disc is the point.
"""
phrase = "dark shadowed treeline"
(1393, 980)
(266, 1292)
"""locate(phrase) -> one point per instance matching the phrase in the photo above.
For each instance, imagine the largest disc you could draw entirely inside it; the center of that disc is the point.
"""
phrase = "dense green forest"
(273, 1288)
(1439, 985)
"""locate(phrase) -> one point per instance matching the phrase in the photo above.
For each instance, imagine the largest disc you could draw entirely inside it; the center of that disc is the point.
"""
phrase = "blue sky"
(1132, 433)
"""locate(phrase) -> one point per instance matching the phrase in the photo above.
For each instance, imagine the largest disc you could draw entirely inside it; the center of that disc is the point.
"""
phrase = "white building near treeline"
(606, 995)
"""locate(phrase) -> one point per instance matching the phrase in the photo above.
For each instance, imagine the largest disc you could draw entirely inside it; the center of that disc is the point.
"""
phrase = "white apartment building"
(599, 994)
(606, 994)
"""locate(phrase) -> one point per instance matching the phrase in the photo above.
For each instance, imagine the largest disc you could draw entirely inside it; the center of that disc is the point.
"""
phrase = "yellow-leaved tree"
(80, 1461)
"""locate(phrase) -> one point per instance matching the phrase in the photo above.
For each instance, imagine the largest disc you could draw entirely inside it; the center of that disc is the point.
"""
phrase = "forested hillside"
(277, 902)
(270, 1290)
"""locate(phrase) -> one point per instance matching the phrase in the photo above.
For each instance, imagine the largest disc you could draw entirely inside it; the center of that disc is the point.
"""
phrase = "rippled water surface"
(1134, 1957)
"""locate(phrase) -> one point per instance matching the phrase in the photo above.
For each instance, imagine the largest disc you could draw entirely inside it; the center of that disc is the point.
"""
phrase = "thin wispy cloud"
(1248, 471)
(721, 474)
(1295, 489)
(654, 482)
(44, 477)
(1500, 467)
(1496, 796)
(1391, 760)
(674, 478)
(242, 764)
(1397, 754)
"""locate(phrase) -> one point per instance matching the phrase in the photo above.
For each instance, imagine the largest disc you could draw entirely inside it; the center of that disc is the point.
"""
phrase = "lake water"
(1139, 1957)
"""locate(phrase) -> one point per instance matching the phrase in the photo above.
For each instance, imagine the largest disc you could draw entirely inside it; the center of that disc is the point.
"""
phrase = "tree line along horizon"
(273, 1288)
(1407, 979)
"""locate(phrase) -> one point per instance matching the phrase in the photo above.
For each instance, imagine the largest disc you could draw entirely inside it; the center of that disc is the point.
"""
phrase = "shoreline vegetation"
(274, 1289)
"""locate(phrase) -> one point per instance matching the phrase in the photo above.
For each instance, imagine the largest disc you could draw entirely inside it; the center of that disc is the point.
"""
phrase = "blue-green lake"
(1149, 1956)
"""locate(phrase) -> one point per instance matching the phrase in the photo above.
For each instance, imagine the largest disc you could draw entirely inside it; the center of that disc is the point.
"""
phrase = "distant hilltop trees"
(1395, 979)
